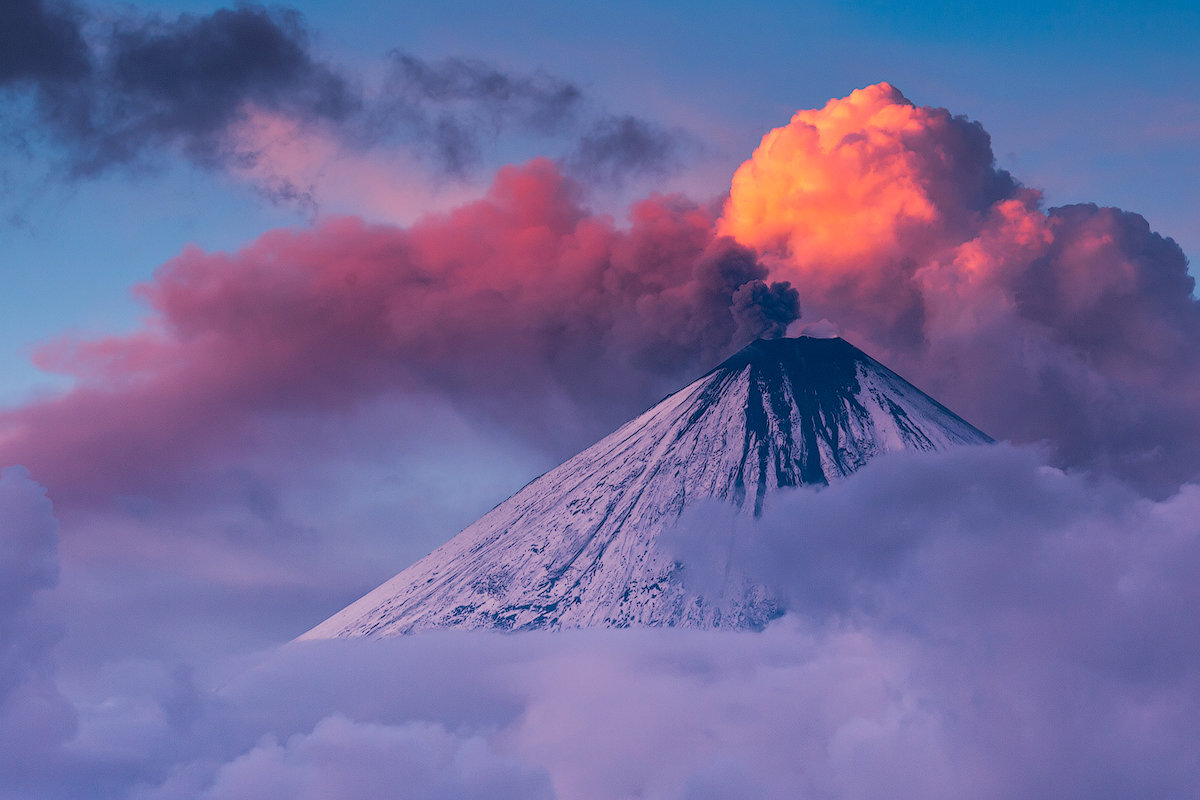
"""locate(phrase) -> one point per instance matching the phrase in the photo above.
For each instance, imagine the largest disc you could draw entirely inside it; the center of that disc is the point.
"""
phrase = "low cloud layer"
(1074, 325)
(967, 622)
(342, 758)
(34, 717)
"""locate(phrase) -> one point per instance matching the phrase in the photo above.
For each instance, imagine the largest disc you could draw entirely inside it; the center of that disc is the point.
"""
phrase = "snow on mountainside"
(576, 547)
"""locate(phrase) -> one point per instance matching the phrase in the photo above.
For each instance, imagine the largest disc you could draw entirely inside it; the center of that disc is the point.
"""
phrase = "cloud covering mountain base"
(1027, 633)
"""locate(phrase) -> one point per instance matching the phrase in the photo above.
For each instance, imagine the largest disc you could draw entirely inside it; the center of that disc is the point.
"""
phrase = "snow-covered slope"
(576, 547)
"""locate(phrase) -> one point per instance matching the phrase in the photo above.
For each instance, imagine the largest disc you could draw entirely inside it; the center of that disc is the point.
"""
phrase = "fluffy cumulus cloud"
(341, 758)
(1074, 325)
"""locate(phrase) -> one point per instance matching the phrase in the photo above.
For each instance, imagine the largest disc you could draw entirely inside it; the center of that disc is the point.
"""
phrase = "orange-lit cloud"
(862, 177)
(1073, 325)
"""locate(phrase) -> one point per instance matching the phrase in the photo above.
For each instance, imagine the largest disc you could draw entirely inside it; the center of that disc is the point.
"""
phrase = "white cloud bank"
(968, 623)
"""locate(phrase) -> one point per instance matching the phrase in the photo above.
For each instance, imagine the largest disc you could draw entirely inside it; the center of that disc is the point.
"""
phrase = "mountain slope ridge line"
(578, 546)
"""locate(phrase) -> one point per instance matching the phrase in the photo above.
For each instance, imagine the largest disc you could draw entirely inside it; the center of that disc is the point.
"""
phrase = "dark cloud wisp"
(964, 623)
(147, 85)
(155, 83)
(614, 148)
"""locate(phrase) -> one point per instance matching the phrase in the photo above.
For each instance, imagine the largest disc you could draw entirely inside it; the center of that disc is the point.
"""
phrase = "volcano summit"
(577, 548)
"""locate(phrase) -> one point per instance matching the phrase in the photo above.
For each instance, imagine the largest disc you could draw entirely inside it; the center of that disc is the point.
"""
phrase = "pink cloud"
(506, 305)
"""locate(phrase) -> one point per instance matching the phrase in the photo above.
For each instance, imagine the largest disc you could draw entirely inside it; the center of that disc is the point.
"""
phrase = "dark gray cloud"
(539, 101)
(454, 106)
(457, 106)
(41, 42)
(614, 148)
(764, 309)
(151, 85)
(184, 82)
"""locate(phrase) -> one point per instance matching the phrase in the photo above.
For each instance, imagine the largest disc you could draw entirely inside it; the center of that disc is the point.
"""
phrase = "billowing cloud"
(341, 758)
(1075, 325)
(867, 176)
(453, 104)
(505, 306)
(966, 622)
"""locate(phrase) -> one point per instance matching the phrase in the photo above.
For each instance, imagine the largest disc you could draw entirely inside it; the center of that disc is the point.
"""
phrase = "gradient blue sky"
(1091, 102)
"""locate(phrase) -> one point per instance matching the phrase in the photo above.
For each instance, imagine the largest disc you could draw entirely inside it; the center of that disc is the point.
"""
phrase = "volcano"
(578, 547)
